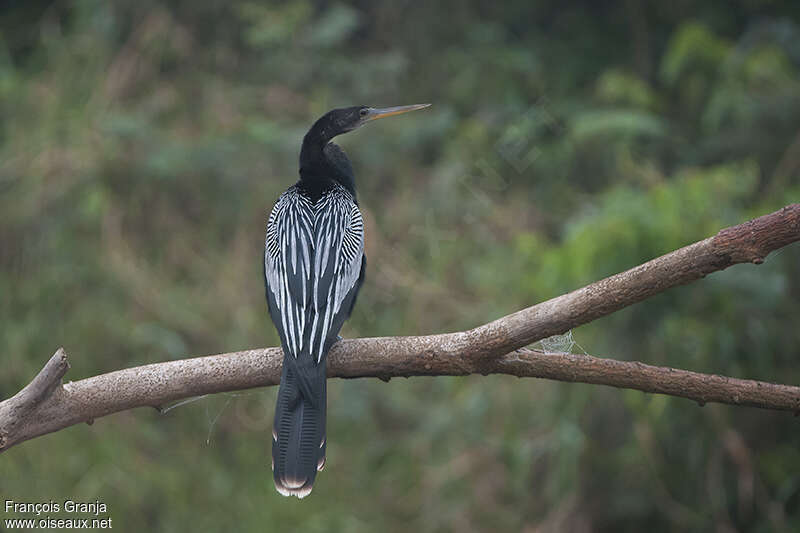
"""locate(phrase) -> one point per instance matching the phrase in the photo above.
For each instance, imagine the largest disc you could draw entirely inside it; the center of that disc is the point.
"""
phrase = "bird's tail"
(298, 433)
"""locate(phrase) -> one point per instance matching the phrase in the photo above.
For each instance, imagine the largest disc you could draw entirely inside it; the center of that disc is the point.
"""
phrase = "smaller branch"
(702, 388)
(46, 381)
(15, 411)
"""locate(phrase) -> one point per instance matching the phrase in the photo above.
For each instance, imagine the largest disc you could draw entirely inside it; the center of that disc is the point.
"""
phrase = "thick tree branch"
(45, 405)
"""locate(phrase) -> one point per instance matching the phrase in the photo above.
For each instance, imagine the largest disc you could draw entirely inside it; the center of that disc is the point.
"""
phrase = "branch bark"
(45, 405)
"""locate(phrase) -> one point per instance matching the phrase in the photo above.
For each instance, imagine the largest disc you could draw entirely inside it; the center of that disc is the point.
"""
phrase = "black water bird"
(313, 268)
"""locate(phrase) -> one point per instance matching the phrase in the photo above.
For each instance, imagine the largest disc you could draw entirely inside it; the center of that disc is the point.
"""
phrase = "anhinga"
(313, 268)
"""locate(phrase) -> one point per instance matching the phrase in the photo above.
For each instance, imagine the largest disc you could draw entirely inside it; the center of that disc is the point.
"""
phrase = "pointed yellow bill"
(375, 114)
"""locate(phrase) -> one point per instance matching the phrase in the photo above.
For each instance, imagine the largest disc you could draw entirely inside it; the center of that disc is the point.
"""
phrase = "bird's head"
(347, 119)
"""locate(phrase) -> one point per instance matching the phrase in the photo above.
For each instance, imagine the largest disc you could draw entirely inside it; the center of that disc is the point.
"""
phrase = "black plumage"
(313, 269)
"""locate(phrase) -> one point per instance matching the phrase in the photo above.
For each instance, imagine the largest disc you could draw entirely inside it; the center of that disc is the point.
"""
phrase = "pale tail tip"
(291, 487)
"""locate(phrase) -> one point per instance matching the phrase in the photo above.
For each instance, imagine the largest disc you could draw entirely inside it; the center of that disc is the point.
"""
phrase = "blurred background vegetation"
(142, 143)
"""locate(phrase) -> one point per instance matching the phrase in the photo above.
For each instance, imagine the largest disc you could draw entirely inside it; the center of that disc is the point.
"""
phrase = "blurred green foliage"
(142, 143)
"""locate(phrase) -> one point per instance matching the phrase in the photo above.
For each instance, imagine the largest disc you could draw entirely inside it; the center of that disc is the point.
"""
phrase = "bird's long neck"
(311, 153)
(322, 162)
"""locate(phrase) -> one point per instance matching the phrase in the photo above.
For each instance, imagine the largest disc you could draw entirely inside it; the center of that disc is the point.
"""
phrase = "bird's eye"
(363, 112)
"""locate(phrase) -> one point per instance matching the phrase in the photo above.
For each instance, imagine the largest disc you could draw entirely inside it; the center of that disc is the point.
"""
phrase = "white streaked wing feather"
(339, 232)
(287, 261)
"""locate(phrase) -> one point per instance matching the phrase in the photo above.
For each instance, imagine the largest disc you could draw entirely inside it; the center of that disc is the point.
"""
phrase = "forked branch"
(45, 405)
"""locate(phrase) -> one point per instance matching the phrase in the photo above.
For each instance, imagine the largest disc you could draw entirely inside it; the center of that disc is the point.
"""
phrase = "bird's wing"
(339, 245)
(288, 266)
